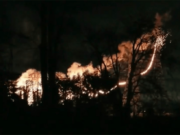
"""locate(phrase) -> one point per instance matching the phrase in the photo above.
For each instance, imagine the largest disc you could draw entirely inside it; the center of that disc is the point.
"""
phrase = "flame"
(31, 82)
(31, 79)
(30, 75)
(60, 75)
(160, 19)
(159, 43)
(77, 70)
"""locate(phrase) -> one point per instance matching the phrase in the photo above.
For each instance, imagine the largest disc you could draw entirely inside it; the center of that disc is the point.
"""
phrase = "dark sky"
(19, 20)
(20, 32)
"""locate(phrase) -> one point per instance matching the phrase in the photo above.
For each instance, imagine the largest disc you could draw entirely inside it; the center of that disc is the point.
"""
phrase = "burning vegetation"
(114, 71)
(86, 77)
(81, 77)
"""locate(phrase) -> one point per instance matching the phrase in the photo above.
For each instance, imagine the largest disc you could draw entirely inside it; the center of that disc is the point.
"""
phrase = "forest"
(89, 67)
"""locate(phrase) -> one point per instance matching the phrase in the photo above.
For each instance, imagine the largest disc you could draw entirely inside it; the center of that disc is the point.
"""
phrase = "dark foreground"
(62, 120)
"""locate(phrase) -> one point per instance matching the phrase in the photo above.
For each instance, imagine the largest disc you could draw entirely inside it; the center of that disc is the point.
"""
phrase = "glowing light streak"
(158, 43)
(101, 92)
(31, 79)
(122, 83)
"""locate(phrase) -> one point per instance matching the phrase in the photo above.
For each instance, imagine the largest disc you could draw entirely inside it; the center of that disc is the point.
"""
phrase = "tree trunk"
(52, 56)
(129, 87)
(129, 95)
(118, 102)
(43, 52)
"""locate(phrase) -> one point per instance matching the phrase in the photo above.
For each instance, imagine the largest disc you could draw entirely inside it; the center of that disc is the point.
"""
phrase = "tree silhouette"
(142, 28)
(43, 52)
(109, 39)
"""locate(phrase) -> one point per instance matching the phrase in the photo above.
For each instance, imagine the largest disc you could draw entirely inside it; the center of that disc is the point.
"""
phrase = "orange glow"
(31, 82)
(31, 79)
(159, 43)
(122, 83)
(77, 70)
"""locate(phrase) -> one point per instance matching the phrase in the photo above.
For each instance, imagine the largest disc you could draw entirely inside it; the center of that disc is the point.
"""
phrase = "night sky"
(20, 30)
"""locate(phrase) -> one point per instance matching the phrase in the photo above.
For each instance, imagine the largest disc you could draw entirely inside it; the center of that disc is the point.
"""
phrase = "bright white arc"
(150, 64)
(31, 79)
(148, 68)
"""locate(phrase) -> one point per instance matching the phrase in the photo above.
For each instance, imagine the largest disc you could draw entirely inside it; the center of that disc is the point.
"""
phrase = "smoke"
(125, 47)
(162, 19)
(21, 34)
